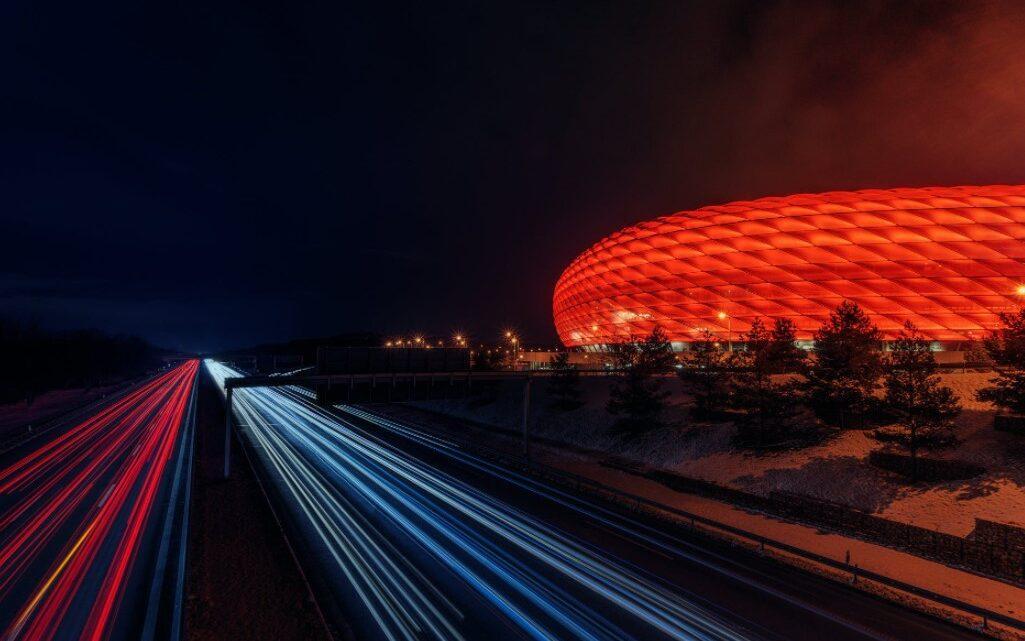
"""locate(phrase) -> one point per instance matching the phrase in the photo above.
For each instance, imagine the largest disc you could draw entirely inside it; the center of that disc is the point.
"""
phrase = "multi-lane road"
(92, 519)
(403, 535)
(407, 536)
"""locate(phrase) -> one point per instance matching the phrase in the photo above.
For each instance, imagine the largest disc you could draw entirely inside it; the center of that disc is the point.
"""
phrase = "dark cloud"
(217, 174)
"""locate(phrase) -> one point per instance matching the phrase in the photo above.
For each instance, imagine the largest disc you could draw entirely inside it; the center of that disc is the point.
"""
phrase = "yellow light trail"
(45, 587)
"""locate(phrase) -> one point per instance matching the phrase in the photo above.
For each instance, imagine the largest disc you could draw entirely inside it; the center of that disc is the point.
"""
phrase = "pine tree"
(769, 407)
(847, 366)
(784, 356)
(756, 348)
(707, 373)
(564, 384)
(1006, 346)
(925, 409)
(975, 353)
(637, 397)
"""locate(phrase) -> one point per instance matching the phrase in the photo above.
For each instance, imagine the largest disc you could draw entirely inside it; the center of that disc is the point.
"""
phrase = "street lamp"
(729, 329)
(514, 343)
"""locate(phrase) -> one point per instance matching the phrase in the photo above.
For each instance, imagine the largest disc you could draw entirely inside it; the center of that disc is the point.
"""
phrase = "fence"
(996, 549)
(677, 518)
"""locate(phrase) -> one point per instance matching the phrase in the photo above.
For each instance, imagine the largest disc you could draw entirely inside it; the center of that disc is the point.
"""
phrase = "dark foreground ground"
(243, 582)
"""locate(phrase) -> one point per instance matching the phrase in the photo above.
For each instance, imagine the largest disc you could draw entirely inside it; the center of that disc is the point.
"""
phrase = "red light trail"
(74, 512)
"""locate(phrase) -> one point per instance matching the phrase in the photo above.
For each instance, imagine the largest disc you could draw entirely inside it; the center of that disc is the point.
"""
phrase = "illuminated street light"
(729, 329)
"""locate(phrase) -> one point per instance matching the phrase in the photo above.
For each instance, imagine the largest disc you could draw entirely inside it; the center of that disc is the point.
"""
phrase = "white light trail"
(342, 478)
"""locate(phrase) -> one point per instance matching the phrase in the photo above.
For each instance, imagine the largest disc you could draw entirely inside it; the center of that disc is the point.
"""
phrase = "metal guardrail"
(635, 502)
(164, 608)
(31, 431)
(395, 377)
(630, 500)
(316, 380)
(178, 622)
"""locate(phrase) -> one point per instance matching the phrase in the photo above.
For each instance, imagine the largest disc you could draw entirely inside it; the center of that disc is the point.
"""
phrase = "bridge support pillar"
(526, 416)
(227, 432)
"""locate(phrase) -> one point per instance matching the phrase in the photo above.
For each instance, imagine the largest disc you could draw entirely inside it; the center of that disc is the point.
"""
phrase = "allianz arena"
(947, 259)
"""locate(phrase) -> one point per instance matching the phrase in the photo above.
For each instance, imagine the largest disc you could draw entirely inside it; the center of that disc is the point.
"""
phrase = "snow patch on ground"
(835, 470)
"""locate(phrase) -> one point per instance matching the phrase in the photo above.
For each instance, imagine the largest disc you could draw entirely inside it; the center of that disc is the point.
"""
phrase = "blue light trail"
(389, 520)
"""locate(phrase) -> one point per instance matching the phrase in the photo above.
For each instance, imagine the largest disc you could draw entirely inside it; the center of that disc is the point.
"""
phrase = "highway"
(92, 515)
(407, 536)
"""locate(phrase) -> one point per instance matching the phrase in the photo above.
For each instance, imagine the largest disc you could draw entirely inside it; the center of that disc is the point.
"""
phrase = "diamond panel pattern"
(949, 259)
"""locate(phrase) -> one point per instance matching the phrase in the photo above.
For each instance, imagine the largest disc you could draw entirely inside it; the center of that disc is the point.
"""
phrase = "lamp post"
(729, 329)
(514, 346)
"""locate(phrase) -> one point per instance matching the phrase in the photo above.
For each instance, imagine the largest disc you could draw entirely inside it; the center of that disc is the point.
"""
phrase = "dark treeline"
(36, 360)
(778, 395)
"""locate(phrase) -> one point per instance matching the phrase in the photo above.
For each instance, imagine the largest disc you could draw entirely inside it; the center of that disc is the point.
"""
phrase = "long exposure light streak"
(627, 527)
(74, 511)
(356, 492)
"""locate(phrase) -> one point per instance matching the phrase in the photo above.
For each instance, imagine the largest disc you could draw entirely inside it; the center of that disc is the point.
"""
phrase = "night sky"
(211, 175)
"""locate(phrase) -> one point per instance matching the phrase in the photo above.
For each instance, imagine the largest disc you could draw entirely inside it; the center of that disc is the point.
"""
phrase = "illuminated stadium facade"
(947, 259)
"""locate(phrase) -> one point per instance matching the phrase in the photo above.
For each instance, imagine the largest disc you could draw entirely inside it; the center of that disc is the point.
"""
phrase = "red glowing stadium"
(947, 259)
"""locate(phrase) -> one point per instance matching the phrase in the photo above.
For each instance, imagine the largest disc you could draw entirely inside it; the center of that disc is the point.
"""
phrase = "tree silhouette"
(564, 384)
(487, 360)
(846, 368)
(707, 374)
(925, 410)
(637, 397)
(769, 408)
(783, 356)
(1007, 348)
(36, 360)
(975, 353)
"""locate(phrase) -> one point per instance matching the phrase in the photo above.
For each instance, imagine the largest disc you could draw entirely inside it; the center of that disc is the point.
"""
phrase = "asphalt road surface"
(407, 536)
(90, 514)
